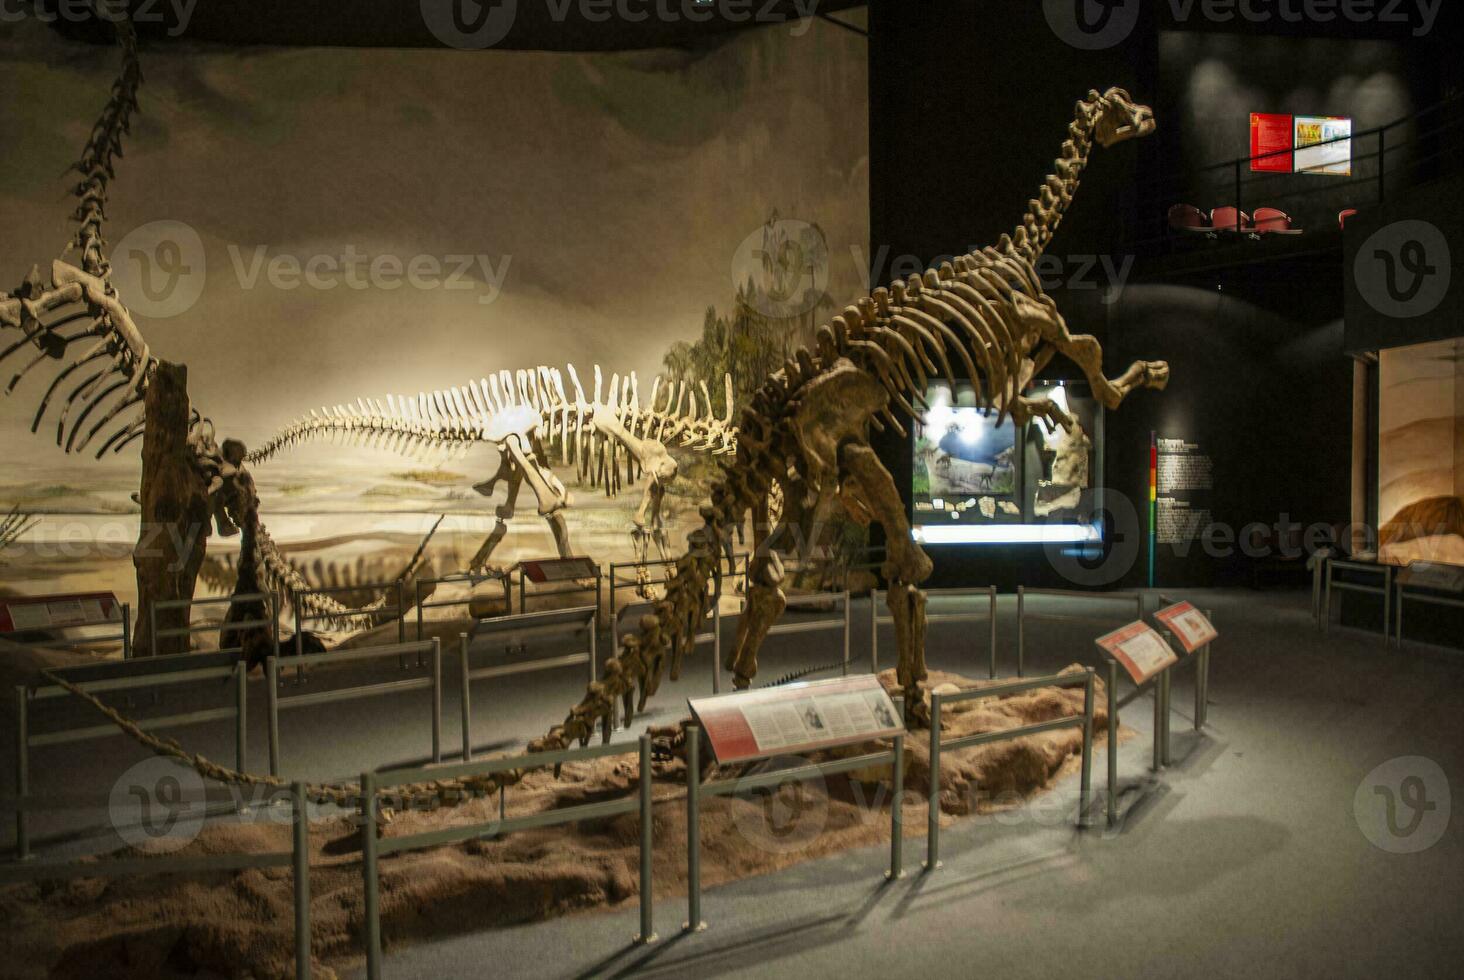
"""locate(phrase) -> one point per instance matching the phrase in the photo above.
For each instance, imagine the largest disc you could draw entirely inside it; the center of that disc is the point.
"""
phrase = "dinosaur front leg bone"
(764, 599)
(1085, 351)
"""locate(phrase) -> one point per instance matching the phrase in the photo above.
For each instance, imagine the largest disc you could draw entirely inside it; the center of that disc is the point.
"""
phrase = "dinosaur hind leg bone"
(875, 494)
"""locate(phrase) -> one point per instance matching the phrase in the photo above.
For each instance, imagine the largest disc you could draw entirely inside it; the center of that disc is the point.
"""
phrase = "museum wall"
(306, 227)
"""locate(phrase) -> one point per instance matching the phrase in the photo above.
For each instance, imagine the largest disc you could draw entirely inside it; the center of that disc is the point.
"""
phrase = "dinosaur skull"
(1120, 118)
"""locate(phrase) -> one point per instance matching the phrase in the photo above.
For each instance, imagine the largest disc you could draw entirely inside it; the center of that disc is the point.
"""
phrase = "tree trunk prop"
(175, 514)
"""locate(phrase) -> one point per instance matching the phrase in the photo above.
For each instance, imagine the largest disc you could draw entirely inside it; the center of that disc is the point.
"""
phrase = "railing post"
(847, 624)
(273, 605)
(1112, 686)
(1085, 785)
(302, 880)
(299, 638)
(932, 826)
(694, 921)
(1382, 165)
(22, 771)
(991, 591)
(272, 702)
(897, 806)
(1168, 755)
(874, 629)
(126, 631)
(372, 916)
(1239, 196)
(1327, 595)
(417, 602)
(1021, 631)
(1158, 685)
(241, 715)
(647, 845)
(716, 642)
(436, 699)
(467, 684)
(594, 635)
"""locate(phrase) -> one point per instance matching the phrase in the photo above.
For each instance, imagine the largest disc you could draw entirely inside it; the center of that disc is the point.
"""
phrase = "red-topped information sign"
(59, 611)
(1142, 651)
(797, 718)
(1193, 627)
(543, 570)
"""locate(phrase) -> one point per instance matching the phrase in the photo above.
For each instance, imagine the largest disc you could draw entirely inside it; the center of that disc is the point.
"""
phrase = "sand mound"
(241, 924)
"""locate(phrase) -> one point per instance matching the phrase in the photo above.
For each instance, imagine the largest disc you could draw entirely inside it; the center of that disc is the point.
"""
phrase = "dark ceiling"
(547, 25)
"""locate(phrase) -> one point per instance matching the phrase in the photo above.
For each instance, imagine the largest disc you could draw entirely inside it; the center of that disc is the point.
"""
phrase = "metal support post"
(932, 827)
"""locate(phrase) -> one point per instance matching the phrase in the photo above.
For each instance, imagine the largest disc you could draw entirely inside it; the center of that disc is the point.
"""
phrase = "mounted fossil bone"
(530, 416)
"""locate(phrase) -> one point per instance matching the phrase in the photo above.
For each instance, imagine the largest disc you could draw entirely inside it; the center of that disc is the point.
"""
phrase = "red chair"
(1270, 221)
(1232, 220)
(1342, 218)
(1189, 220)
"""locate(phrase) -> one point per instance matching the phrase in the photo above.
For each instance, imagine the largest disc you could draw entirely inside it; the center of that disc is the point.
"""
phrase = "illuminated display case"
(975, 482)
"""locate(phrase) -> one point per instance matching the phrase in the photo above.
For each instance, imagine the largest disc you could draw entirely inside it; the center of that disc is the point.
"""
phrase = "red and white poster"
(59, 612)
(796, 718)
(1193, 627)
(1271, 133)
(1142, 651)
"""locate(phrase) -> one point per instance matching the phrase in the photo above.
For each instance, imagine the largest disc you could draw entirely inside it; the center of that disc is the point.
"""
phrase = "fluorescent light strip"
(1006, 534)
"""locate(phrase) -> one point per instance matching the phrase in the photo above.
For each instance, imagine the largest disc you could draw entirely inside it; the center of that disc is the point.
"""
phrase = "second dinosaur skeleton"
(530, 417)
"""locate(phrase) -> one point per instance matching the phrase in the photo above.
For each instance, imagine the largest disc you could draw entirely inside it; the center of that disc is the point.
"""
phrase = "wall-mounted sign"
(59, 611)
(1284, 144)
(1141, 651)
(1193, 627)
(1333, 155)
(1271, 142)
(795, 718)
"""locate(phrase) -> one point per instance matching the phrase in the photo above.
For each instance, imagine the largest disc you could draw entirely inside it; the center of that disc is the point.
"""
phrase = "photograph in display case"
(977, 481)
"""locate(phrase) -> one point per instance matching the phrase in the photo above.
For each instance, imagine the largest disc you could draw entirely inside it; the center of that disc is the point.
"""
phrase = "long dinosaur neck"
(1045, 211)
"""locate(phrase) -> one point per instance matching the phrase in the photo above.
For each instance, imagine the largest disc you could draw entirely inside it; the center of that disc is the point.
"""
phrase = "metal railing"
(420, 602)
(398, 612)
(373, 849)
(1331, 584)
(937, 746)
(1134, 599)
(270, 620)
(297, 858)
(276, 703)
(1235, 182)
(989, 616)
(519, 629)
(151, 673)
(1425, 592)
(696, 790)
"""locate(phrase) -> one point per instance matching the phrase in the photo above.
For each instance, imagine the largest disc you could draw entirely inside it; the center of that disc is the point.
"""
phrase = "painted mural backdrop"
(1421, 452)
(306, 227)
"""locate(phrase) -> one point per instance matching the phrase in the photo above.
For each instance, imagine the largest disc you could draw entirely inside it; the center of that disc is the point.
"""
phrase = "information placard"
(1439, 576)
(541, 570)
(1271, 142)
(796, 718)
(1193, 627)
(59, 611)
(1142, 651)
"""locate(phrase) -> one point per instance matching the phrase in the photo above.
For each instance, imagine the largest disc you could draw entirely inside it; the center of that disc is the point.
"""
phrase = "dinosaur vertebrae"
(1044, 212)
(103, 144)
(452, 420)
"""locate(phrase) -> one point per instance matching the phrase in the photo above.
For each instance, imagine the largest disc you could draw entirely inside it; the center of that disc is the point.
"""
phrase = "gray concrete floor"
(1246, 855)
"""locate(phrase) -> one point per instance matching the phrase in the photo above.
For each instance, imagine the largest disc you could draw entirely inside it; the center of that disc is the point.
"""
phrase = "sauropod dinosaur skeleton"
(528, 415)
(808, 429)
